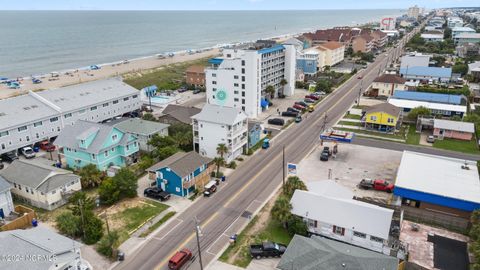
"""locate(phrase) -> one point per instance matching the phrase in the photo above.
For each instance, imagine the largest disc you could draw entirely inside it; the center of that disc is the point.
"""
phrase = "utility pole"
(83, 220)
(283, 165)
(197, 232)
(106, 222)
(360, 92)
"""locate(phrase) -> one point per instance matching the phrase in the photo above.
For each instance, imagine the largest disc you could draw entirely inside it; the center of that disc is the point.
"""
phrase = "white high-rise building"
(387, 23)
(240, 77)
(413, 12)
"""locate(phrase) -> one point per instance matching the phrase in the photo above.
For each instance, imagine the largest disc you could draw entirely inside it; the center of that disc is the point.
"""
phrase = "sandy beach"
(106, 71)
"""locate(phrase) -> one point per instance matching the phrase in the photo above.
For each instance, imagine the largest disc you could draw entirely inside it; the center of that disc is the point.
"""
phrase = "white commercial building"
(37, 116)
(414, 60)
(330, 210)
(216, 125)
(432, 37)
(239, 78)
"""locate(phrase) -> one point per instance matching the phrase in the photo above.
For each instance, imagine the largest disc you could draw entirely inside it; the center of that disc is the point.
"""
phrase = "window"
(115, 102)
(243, 62)
(105, 153)
(235, 99)
(243, 108)
(20, 129)
(31, 191)
(53, 192)
(125, 99)
(15, 185)
(214, 89)
(243, 93)
(94, 157)
(243, 71)
(3, 146)
(214, 75)
(373, 118)
(81, 111)
(235, 77)
(214, 82)
(114, 137)
(68, 115)
(26, 189)
(376, 239)
(112, 150)
(105, 105)
(243, 101)
(134, 96)
(390, 120)
(3, 134)
(82, 141)
(243, 78)
(359, 234)
(19, 187)
(243, 86)
(128, 147)
(235, 92)
(93, 108)
(135, 144)
(37, 124)
(235, 84)
(338, 230)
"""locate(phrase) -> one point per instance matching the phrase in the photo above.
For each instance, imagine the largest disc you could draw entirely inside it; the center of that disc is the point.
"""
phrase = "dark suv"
(156, 193)
(9, 156)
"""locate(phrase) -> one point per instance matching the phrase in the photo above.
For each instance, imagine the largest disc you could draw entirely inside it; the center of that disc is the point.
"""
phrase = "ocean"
(38, 42)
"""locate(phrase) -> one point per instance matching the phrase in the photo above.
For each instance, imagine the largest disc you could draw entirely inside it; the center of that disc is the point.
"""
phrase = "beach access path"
(106, 71)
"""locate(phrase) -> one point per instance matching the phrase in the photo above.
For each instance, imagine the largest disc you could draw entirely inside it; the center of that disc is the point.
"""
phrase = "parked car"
(179, 259)
(298, 119)
(324, 156)
(182, 89)
(290, 109)
(378, 184)
(309, 100)
(327, 150)
(289, 114)
(299, 107)
(47, 146)
(276, 121)
(360, 77)
(431, 139)
(267, 249)
(27, 152)
(312, 96)
(210, 188)
(9, 156)
(304, 104)
(319, 93)
(197, 91)
(156, 193)
(311, 108)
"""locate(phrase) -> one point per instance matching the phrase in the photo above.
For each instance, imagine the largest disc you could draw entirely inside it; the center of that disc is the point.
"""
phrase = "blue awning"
(264, 103)
(215, 61)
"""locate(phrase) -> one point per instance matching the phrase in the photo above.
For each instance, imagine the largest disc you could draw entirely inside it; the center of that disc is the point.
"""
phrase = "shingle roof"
(332, 45)
(429, 97)
(390, 78)
(36, 175)
(139, 126)
(385, 107)
(181, 113)
(196, 69)
(68, 136)
(220, 114)
(182, 163)
(454, 125)
(37, 241)
(318, 253)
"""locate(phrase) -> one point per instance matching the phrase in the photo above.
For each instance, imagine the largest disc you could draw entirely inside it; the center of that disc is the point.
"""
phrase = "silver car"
(28, 152)
(430, 139)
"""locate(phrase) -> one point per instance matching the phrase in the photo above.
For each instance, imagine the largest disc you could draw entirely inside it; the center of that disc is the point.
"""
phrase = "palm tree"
(270, 90)
(222, 149)
(281, 210)
(293, 183)
(283, 82)
(219, 161)
(90, 176)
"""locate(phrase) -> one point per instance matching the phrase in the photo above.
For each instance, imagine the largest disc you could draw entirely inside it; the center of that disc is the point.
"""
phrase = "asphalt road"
(251, 183)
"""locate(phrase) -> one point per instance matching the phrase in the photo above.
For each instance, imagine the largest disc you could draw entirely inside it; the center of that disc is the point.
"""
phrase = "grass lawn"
(131, 218)
(348, 123)
(399, 135)
(457, 145)
(168, 77)
(353, 116)
(158, 224)
(413, 137)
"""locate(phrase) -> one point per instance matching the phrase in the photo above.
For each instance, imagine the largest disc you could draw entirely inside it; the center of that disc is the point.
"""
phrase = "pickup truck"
(156, 193)
(381, 185)
(267, 249)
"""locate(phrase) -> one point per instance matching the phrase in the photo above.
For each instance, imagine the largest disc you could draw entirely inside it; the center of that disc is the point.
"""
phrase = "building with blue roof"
(434, 74)
(430, 97)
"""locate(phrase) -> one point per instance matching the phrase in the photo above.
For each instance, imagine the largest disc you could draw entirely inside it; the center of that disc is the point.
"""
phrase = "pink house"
(453, 129)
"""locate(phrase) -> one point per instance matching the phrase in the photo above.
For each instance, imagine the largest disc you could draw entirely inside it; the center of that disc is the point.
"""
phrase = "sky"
(226, 4)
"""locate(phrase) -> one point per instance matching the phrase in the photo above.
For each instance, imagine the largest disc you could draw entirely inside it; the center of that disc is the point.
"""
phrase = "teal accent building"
(92, 143)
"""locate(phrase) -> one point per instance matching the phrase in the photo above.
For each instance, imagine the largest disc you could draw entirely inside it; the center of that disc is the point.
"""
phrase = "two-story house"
(91, 143)
(42, 186)
(181, 173)
(383, 117)
(143, 130)
(216, 125)
(330, 210)
(386, 84)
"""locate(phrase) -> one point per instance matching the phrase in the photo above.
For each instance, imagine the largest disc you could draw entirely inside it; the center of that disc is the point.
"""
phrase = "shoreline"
(135, 65)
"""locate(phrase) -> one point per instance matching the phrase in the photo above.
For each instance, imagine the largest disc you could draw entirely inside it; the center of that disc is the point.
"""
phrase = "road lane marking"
(169, 231)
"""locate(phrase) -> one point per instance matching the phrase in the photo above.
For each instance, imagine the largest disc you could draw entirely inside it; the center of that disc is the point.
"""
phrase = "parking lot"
(351, 164)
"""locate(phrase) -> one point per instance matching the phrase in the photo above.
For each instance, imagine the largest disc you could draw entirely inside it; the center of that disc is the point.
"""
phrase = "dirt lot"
(351, 165)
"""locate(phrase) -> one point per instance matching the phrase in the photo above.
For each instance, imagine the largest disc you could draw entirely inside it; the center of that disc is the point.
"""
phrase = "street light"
(197, 233)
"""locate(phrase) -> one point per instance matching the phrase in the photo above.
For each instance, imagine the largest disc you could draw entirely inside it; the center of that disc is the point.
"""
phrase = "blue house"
(254, 133)
(181, 173)
(92, 143)
(436, 74)
(431, 97)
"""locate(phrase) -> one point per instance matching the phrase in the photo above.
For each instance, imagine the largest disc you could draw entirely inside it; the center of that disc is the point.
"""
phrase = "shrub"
(93, 228)
(68, 224)
(240, 159)
(108, 244)
(232, 165)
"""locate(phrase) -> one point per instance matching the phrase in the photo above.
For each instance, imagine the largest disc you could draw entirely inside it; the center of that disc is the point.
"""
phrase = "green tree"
(158, 141)
(126, 182)
(146, 161)
(164, 152)
(90, 176)
(324, 85)
(281, 210)
(296, 225)
(108, 192)
(474, 234)
(415, 112)
(460, 68)
(149, 117)
(183, 140)
(108, 244)
(270, 90)
(68, 224)
(222, 149)
(349, 51)
(80, 202)
(219, 162)
(93, 227)
(293, 183)
(447, 33)
(283, 82)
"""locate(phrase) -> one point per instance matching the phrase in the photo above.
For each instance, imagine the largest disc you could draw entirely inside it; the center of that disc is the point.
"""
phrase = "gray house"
(40, 185)
(142, 129)
(47, 250)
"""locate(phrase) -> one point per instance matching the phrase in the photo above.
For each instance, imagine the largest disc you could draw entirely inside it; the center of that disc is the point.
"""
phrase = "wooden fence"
(26, 215)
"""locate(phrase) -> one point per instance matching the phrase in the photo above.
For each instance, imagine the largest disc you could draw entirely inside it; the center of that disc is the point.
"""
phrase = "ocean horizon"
(38, 42)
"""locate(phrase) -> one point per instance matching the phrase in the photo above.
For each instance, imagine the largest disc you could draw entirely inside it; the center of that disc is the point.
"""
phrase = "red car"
(312, 97)
(360, 77)
(47, 146)
(381, 185)
(179, 259)
(299, 107)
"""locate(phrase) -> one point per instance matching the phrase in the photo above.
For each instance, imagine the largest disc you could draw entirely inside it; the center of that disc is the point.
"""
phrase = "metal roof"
(343, 212)
(319, 253)
(271, 49)
(430, 97)
(410, 104)
(140, 126)
(454, 125)
(220, 114)
(439, 175)
(427, 71)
